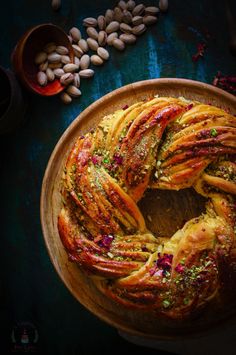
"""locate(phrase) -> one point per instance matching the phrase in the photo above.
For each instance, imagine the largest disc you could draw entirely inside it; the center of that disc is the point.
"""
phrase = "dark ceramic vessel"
(12, 102)
(32, 42)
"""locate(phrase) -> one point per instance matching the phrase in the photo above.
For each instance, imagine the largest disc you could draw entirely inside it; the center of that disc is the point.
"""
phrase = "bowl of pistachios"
(39, 56)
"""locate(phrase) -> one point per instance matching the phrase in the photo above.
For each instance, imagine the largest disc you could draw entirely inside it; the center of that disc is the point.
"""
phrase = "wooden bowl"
(25, 51)
(171, 210)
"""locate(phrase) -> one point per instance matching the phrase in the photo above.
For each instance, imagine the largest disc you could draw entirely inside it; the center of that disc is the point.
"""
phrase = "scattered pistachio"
(62, 50)
(101, 22)
(50, 47)
(76, 81)
(92, 43)
(128, 38)
(86, 73)
(125, 28)
(75, 34)
(67, 79)
(50, 74)
(73, 91)
(92, 32)
(65, 59)
(82, 43)
(127, 17)
(149, 20)
(152, 10)
(66, 99)
(58, 72)
(70, 39)
(118, 44)
(76, 61)
(118, 14)
(131, 5)
(109, 16)
(54, 57)
(77, 50)
(122, 4)
(112, 27)
(137, 20)
(103, 53)
(163, 5)
(43, 66)
(40, 57)
(96, 60)
(70, 68)
(55, 65)
(111, 38)
(138, 30)
(138, 10)
(42, 78)
(102, 38)
(84, 61)
(90, 22)
(56, 4)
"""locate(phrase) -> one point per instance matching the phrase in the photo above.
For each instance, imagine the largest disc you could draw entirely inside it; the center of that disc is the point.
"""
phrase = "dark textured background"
(30, 288)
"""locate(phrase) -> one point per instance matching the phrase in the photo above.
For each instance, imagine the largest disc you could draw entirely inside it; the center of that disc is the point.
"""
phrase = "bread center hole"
(166, 211)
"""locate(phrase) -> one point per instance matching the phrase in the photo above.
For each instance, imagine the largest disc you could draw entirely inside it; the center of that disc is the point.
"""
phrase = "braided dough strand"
(163, 143)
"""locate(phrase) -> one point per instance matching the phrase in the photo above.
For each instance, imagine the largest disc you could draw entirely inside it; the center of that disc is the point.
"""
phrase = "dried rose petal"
(83, 158)
(227, 83)
(106, 240)
(200, 52)
(165, 261)
(159, 273)
(204, 133)
(189, 107)
(152, 270)
(179, 268)
(118, 159)
(96, 159)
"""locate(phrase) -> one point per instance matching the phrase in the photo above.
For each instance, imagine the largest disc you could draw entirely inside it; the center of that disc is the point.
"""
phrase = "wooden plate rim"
(56, 151)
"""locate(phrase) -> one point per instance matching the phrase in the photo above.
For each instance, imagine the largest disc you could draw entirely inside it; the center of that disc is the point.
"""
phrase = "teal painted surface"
(30, 287)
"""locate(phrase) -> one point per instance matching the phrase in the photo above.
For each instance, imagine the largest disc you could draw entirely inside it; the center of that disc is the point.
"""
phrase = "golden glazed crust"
(163, 143)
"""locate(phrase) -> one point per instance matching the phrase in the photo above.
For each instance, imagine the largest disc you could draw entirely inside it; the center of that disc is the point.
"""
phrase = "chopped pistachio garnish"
(214, 132)
(166, 303)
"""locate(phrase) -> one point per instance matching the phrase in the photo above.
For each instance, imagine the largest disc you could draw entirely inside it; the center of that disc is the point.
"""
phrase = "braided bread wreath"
(159, 143)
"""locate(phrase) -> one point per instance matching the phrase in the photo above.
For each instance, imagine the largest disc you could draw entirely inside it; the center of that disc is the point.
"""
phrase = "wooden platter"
(169, 210)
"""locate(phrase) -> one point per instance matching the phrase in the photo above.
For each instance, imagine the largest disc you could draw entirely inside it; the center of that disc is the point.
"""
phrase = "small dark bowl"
(25, 51)
(12, 102)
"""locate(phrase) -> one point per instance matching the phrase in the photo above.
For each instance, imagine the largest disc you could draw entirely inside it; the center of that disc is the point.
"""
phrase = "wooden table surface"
(30, 289)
